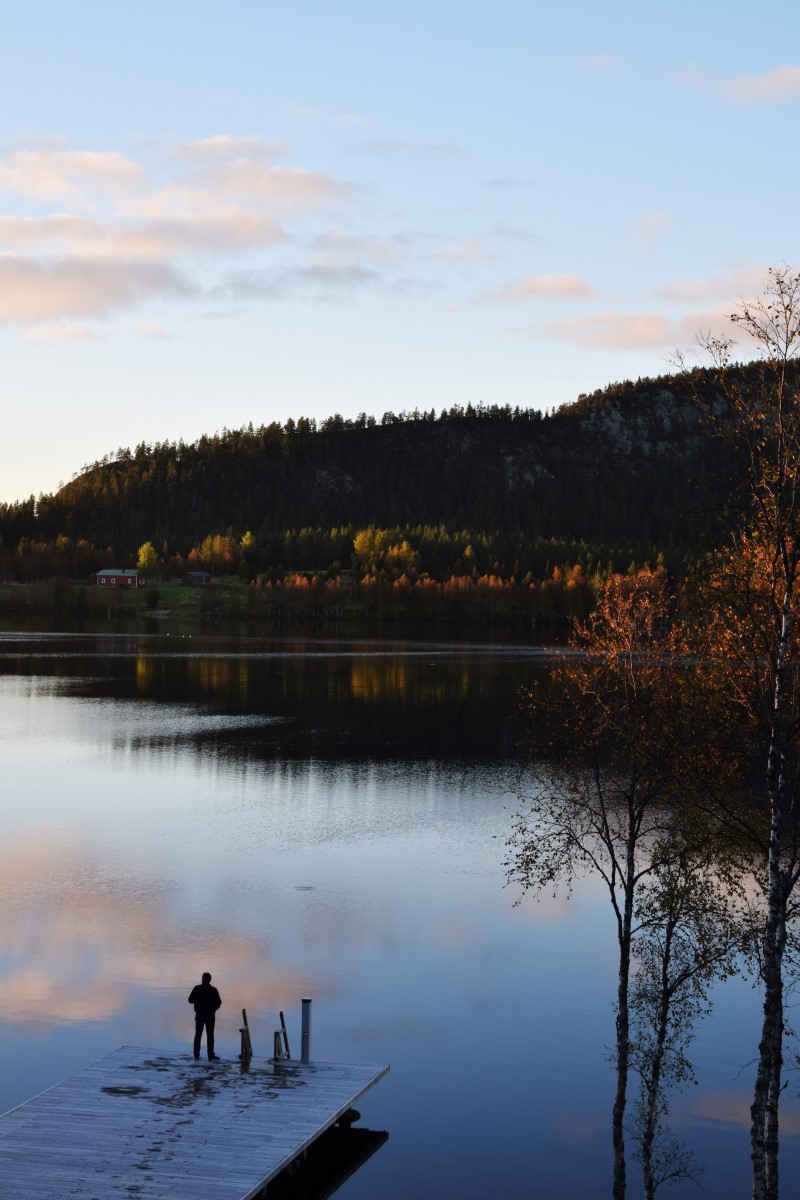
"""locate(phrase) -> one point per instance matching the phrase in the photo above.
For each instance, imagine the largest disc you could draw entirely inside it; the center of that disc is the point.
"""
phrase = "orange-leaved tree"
(752, 649)
(612, 760)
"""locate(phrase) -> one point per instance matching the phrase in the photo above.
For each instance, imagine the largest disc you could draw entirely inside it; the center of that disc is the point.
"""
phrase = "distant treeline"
(619, 476)
(402, 553)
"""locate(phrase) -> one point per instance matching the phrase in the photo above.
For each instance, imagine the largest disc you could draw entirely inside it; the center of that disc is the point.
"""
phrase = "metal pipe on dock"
(305, 1031)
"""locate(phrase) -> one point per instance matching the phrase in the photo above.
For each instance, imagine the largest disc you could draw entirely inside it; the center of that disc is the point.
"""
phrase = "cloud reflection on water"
(80, 942)
(733, 1108)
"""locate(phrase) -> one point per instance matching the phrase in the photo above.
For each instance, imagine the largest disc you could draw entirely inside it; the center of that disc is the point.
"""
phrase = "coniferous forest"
(623, 475)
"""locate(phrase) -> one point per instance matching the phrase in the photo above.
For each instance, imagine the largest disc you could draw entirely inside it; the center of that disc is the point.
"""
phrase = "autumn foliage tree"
(147, 558)
(616, 714)
(753, 653)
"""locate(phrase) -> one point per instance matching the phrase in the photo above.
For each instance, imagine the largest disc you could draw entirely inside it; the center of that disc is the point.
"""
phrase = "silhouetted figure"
(206, 1001)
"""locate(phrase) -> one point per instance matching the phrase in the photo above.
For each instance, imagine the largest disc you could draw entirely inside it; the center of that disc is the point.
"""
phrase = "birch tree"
(689, 938)
(754, 602)
(617, 718)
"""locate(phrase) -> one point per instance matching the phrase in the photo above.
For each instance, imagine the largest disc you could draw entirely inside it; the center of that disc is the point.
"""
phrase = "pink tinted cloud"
(225, 146)
(226, 231)
(281, 187)
(641, 330)
(33, 290)
(778, 86)
(148, 329)
(615, 331)
(542, 287)
(60, 333)
(705, 290)
(225, 201)
(469, 251)
(49, 173)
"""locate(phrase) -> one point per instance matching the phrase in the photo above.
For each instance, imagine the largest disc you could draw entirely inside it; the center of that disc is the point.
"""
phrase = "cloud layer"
(87, 234)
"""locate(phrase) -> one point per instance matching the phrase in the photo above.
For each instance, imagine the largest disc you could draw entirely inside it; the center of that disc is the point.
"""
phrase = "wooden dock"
(150, 1125)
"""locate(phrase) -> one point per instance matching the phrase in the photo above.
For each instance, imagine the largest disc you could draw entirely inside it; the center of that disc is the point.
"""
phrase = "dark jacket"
(205, 999)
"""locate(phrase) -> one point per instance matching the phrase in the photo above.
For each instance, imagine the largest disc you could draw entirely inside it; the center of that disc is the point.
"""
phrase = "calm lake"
(325, 819)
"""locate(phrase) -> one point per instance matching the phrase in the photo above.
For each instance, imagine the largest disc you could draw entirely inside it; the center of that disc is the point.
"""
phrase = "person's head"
(206, 977)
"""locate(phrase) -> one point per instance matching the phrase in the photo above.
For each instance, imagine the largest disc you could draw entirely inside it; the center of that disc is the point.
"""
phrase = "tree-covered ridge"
(625, 467)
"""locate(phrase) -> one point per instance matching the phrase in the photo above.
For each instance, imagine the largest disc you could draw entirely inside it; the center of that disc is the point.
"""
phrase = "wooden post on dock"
(247, 1045)
(285, 1036)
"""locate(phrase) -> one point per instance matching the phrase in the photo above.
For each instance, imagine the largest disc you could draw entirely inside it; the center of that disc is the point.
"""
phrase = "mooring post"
(247, 1045)
(285, 1035)
(305, 1031)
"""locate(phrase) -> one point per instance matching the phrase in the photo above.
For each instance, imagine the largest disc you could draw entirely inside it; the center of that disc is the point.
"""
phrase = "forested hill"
(626, 464)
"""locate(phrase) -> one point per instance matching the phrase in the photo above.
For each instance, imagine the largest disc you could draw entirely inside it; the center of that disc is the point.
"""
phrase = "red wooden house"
(112, 578)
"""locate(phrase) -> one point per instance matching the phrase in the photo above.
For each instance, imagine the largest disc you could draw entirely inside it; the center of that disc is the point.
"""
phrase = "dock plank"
(150, 1124)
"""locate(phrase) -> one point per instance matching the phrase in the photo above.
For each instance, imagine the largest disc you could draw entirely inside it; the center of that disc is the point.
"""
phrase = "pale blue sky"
(214, 214)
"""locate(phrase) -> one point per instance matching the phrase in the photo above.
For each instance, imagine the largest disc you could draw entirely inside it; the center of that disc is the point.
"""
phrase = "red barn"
(112, 578)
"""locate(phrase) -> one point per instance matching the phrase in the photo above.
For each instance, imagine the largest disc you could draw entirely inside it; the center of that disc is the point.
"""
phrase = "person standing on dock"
(206, 1001)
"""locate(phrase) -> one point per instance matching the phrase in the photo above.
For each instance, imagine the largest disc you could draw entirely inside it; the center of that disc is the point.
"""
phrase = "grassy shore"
(232, 601)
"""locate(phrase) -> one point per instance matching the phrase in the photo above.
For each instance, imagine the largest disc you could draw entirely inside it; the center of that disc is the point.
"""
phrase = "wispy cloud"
(779, 86)
(34, 291)
(615, 331)
(339, 244)
(395, 148)
(647, 231)
(323, 281)
(276, 189)
(607, 63)
(224, 146)
(307, 112)
(515, 233)
(710, 288)
(60, 333)
(469, 251)
(541, 287)
(620, 331)
(226, 231)
(149, 329)
(51, 174)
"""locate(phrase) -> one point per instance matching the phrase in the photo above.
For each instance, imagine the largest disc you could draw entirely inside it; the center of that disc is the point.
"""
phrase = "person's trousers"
(202, 1022)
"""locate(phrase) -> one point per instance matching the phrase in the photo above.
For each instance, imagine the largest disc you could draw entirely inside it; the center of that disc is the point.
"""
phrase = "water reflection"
(370, 700)
(328, 824)
(329, 1163)
(98, 938)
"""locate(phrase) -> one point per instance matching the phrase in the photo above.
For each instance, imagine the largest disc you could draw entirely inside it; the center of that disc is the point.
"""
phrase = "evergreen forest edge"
(507, 502)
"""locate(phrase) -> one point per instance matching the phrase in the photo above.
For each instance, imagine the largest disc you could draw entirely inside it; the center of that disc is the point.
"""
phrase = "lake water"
(324, 819)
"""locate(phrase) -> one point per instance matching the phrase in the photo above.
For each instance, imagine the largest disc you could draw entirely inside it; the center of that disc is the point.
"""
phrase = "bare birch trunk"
(623, 1030)
(764, 1110)
(764, 1128)
(623, 1057)
(653, 1082)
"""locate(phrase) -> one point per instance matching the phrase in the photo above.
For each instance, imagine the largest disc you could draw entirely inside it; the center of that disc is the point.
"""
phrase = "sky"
(214, 214)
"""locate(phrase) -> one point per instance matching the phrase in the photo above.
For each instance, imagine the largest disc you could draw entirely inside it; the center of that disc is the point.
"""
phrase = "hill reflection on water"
(334, 699)
(324, 819)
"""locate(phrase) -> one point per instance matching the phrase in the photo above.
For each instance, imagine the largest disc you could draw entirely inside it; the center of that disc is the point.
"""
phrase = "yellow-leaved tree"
(147, 559)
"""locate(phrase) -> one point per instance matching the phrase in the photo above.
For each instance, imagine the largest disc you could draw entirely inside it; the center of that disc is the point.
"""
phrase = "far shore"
(233, 607)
